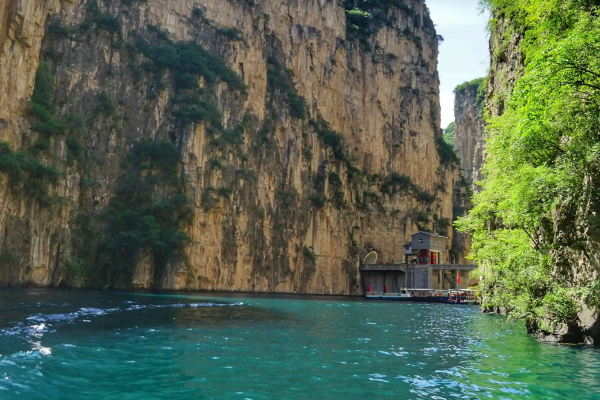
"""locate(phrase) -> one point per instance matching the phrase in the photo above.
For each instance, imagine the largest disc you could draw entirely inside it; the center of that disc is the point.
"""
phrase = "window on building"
(420, 241)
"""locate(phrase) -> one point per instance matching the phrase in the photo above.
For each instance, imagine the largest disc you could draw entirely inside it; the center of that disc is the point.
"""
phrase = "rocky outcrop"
(469, 138)
(297, 147)
(506, 66)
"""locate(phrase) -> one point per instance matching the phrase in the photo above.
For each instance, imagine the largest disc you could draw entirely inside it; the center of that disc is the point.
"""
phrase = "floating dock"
(425, 275)
(437, 283)
(464, 296)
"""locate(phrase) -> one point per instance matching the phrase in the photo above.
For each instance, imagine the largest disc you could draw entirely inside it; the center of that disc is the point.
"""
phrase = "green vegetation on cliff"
(541, 193)
(146, 214)
(40, 108)
(27, 172)
(449, 134)
(479, 85)
(280, 78)
(365, 17)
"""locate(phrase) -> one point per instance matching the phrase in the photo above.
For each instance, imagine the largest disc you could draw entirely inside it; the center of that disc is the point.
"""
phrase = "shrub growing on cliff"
(101, 20)
(309, 256)
(27, 172)
(449, 134)
(40, 106)
(188, 62)
(331, 138)
(231, 33)
(365, 17)
(279, 78)
(478, 85)
(446, 152)
(318, 201)
(396, 182)
(141, 218)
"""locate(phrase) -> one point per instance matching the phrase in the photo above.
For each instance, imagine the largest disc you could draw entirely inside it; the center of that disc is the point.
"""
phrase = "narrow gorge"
(242, 145)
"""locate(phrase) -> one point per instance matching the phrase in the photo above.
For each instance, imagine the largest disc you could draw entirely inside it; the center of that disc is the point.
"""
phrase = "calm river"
(89, 345)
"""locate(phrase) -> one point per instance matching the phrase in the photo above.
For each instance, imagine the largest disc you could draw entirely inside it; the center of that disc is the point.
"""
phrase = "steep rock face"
(461, 242)
(506, 66)
(469, 143)
(469, 139)
(327, 151)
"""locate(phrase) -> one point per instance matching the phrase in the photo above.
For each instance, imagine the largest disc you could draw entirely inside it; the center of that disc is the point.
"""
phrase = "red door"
(434, 259)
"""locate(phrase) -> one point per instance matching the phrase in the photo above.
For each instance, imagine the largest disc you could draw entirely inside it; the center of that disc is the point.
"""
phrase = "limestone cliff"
(244, 145)
(469, 137)
(506, 65)
(469, 144)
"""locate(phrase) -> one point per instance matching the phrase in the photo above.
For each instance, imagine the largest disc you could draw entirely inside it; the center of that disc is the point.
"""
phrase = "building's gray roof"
(429, 234)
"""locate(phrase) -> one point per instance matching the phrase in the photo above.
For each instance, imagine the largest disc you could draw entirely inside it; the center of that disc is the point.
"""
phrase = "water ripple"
(74, 345)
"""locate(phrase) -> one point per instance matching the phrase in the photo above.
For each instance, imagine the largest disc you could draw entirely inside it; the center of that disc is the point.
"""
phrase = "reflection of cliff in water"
(77, 316)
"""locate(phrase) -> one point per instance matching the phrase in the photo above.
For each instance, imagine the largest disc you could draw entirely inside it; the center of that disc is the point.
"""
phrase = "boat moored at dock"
(425, 275)
(464, 296)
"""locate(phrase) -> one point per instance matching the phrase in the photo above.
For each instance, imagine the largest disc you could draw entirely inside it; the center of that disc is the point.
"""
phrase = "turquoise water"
(86, 345)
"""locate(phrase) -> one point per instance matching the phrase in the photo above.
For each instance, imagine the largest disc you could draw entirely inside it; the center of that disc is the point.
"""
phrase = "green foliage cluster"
(339, 200)
(478, 86)
(44, 121)
(442, 225)
(421, 220)
(309, 256)
(23, 168)
(40, 106)
(285, 198)
(318, 201)
(332, 139)
(232, 33)
(449, 134)
(395, 183)
(147, 213)
(279, 78)
(365, 17)
(334, 179)
(187, 63)
(446, 152)
(28, 172)
(99, 21)
(211, 195)
(542, 161)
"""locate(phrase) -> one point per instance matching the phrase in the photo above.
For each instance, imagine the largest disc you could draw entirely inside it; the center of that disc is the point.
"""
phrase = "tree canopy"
(541, 161)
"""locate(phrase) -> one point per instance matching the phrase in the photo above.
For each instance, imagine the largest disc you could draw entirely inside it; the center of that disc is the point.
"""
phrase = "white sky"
(464, 54)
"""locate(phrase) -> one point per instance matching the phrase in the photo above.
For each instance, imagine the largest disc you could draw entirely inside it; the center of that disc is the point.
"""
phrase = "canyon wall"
(469, 144)
(469, 139)
(199, 145)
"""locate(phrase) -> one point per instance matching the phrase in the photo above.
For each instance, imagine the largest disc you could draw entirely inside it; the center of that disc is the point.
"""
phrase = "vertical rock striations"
(469, 136)
(234, 145)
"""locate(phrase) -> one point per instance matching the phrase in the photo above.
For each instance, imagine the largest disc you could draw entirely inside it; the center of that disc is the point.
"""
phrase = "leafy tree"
(449, 134)
(542, 163)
